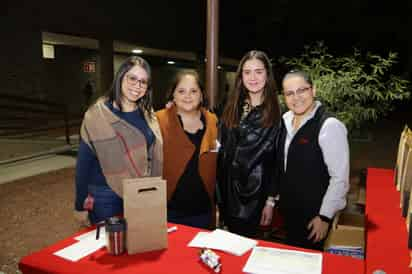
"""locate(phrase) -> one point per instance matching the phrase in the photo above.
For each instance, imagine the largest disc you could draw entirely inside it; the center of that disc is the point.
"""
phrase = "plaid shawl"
(120, 147)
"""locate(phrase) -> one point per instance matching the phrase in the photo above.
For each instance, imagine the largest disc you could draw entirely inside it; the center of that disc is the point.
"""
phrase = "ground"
(34, 213)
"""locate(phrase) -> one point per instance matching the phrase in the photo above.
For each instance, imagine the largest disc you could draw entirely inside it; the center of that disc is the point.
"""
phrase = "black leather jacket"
(246, 167)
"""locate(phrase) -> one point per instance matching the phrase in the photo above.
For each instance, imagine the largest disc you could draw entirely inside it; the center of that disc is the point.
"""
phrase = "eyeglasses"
(297, 92)
(133, 80)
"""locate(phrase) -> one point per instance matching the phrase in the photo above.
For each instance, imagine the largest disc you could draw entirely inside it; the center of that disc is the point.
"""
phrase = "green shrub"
(357, 88)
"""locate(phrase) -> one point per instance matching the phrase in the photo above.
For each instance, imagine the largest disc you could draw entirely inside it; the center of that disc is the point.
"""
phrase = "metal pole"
(212, 50)
(66, 124)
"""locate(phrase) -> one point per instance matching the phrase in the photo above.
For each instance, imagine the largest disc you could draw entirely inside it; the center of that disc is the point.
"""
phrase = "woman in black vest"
(249, 124)
(314, 155)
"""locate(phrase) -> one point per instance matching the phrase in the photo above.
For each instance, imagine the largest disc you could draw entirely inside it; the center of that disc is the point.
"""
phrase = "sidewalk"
(35, 166)
(25, 158)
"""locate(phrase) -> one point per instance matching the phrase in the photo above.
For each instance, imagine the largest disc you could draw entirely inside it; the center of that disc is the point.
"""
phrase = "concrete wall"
(66, 77)
(63, 78)
(21, 67)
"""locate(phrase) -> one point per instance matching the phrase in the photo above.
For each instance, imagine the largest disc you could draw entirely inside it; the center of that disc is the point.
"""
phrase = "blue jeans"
(106, 203)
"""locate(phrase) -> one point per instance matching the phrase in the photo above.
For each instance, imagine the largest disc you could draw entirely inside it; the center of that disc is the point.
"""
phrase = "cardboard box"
(347, 235)
(356, 193)
(361, 195)
(353, 193)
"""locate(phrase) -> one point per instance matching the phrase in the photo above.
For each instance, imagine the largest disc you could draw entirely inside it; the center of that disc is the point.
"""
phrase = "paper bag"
(146, 214)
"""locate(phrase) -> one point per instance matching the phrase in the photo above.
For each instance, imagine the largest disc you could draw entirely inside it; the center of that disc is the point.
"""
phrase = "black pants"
(200, 220)
(242, 227)
(300, 240)
(297, 234)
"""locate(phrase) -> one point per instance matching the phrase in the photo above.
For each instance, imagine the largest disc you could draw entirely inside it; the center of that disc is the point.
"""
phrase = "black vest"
(306, 179)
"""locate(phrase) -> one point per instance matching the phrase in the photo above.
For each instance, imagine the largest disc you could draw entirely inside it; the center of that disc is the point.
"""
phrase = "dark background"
(281, 28)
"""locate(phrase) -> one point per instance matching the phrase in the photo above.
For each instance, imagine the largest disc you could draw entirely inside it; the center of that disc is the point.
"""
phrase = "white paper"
(199, 240)
(86, 245)
(223, 240)
(80, 249)
(266, 260)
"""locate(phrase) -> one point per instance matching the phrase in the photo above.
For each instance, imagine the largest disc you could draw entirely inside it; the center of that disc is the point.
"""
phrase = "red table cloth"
(386, 237)
(178, 258)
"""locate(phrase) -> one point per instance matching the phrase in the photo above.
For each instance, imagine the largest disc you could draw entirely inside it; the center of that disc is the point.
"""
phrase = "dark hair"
(115, 92)
(271, 110)
(179, 76)
(300, 73)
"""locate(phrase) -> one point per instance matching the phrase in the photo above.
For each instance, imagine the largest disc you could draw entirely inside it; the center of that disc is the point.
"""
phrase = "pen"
(171, 229)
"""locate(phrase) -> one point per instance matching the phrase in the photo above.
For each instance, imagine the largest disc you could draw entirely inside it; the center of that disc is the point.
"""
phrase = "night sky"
(280, 27)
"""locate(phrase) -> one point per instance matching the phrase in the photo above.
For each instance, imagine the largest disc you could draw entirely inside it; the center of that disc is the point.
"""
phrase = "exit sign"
(89, 67)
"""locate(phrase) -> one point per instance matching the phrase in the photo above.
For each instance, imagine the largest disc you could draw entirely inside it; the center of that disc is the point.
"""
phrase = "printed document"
(266, 260)
(223, 240)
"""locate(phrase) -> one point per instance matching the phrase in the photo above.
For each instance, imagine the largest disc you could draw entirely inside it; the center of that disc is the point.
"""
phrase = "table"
(386, 237)
(178, 258)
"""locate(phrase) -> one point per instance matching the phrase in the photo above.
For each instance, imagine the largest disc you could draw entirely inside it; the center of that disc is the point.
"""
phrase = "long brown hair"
(271, 110)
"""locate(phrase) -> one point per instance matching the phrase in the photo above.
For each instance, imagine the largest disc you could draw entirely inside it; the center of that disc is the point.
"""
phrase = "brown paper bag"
(146, 214)
(406, 179)
(400, 156)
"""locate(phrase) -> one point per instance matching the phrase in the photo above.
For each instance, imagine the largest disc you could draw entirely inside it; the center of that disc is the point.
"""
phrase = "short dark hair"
(300, 73)
(115, 92)
(179, 76)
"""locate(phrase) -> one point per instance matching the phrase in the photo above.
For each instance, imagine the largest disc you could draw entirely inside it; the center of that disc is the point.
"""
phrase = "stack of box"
(347, 234)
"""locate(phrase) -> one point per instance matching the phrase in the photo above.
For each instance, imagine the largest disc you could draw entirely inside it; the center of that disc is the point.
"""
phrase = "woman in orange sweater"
(189, 150)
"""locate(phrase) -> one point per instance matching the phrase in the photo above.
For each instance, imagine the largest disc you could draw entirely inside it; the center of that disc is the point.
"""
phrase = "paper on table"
(232, 243)
(87, 244)
(80, 249)
(223, 240)
(199, 240)
(266, 260)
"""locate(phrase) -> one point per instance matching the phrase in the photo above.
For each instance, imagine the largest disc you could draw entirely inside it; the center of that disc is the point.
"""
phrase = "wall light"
(137, 51)
(48, 51)
(171, 62)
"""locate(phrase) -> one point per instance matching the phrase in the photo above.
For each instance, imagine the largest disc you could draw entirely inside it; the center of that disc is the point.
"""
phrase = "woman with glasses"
(248, 128)
(189, 132)
(314, 156)
(120, 138)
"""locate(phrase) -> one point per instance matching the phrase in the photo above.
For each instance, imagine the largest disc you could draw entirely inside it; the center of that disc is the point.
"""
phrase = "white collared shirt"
(335, 149)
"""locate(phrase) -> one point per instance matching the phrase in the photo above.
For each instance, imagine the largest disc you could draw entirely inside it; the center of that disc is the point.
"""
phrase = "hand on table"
(318, 229)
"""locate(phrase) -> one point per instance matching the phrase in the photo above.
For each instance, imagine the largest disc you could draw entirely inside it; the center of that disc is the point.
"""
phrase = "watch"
(325, 219)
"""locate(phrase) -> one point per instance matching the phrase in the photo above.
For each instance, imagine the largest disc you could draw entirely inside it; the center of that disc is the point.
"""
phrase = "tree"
(357, 88)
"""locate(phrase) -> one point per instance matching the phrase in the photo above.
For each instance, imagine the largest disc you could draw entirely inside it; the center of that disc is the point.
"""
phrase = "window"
(48, 51)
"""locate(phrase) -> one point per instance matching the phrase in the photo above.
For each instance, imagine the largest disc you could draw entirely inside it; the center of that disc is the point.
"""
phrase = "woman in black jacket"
(248, 129)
